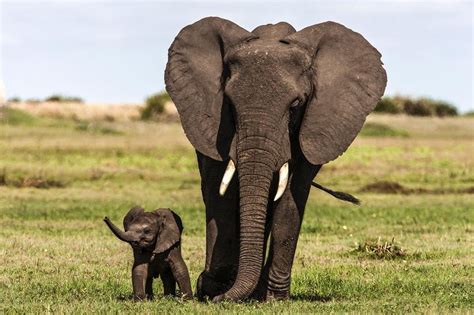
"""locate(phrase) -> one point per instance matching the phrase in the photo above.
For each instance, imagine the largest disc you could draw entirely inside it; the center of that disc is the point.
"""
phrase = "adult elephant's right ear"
(194, 79)
(348, 80)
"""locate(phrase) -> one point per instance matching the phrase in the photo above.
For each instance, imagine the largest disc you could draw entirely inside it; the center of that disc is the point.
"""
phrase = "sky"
(116, 51)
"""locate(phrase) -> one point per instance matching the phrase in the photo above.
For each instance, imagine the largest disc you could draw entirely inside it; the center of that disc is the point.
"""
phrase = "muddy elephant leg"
(180, 272)
(169, 283)
(286, 224)
(222, 240)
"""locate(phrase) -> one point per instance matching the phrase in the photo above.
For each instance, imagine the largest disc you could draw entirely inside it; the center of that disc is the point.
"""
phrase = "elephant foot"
(225, 298)
(271, 290)
(219, 298)
(270, 295)
(208, 286)
(265, 296)
(278, 285)
(277, 295)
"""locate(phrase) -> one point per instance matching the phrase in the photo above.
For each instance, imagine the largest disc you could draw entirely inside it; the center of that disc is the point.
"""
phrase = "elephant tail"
(338, 194)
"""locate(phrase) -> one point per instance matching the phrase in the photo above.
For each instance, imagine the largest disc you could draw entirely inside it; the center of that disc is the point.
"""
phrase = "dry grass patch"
(380, 249)
(81, 111)
(38, 181)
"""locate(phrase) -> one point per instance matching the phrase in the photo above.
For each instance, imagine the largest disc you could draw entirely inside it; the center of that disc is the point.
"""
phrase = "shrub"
(387, 105)
(154, 105)
(417, 108)
(14, 99)
(445, 109)
(61, 98)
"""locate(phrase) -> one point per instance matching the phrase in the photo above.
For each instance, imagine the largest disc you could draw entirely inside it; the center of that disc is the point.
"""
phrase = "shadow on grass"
(296, 297)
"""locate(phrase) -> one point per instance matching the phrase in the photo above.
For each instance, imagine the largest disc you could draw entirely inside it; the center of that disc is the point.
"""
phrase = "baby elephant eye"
(147, 231)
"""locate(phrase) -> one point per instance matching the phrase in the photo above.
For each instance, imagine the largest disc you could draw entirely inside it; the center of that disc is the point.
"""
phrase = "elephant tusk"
(229, 173)
(282, 181)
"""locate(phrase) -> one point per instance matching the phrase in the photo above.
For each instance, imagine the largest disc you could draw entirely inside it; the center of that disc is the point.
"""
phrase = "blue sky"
(116, 51)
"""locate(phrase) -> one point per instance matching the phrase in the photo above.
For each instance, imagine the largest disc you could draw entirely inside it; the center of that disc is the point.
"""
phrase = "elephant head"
(158, 230)
(251, 98)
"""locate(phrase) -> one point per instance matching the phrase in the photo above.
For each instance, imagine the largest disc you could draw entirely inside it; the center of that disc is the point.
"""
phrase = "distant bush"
(14, 99)
(469, 113)
(445, 109)
(33, 100)
(415, 106)
(62, 98)
(154, 105)
(95, 127)
(387, 105)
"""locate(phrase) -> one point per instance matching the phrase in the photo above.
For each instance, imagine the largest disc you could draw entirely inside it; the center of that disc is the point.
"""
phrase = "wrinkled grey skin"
(263, 98)
(155, 238)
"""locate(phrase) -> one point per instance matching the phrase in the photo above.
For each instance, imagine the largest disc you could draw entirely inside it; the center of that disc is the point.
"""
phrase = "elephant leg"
(169, 283)
(222, 226)
(149, 288)
(139, 279)
(287, 217)
(180, 272)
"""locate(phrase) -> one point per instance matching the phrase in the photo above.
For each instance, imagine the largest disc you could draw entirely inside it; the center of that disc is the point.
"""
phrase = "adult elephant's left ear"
(194, 78)
(348, 80)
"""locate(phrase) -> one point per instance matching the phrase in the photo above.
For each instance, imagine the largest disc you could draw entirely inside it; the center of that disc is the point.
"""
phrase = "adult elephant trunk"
(121, 235)
(256, 162)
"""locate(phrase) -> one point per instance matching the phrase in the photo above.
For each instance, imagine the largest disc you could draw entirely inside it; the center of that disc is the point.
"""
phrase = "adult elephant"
(262, 102)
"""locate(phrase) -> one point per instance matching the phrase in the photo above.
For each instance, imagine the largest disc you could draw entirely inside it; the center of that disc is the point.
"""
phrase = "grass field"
(59, 178)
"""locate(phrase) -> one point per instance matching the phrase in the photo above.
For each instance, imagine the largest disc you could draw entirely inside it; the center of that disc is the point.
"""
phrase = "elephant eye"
(147, 231)
(295, 103)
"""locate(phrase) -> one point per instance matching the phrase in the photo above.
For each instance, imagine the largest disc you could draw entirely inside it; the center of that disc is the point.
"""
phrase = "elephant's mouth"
(141, 244)
(283, 175)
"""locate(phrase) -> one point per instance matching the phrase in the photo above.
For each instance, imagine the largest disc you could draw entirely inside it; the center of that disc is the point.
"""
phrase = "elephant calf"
(155, 238)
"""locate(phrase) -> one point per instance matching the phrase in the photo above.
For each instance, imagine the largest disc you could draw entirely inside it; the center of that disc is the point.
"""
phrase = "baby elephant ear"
(348, 80)
(132, 214)
(170, 228)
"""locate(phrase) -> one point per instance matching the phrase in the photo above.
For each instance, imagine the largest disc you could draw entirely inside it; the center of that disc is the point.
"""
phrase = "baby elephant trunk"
(124, 236)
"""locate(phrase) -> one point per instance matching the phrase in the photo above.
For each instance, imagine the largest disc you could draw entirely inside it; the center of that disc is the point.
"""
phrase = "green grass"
(380, 130)
(11, 116)
(56, 254)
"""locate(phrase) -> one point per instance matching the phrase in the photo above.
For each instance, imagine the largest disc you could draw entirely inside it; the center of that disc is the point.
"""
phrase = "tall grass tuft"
(380, 249)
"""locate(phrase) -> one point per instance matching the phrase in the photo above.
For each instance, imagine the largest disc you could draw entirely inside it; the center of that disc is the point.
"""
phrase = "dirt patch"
(388, 187)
